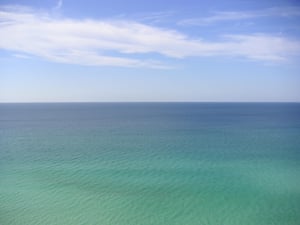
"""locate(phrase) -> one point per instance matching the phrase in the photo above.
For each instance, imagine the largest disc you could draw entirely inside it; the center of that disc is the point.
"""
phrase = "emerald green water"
(155, 163)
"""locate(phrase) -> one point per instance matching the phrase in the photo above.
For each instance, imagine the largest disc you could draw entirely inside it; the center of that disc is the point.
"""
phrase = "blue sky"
(116, 50)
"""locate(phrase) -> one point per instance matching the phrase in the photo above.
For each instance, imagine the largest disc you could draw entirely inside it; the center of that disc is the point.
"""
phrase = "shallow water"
(150, 163)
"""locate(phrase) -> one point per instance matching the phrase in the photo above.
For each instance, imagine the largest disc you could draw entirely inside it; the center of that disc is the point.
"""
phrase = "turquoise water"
(150, 163)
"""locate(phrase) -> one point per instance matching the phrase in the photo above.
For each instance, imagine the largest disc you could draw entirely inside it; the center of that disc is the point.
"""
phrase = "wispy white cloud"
(124, 43)
(152, 17)
(263, 47)
(22, 56)
(222, 16)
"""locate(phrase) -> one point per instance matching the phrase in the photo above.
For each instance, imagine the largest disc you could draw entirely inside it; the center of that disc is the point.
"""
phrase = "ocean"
(150, 164)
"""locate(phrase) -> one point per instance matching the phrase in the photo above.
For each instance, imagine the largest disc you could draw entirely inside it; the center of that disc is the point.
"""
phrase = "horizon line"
(86, 102)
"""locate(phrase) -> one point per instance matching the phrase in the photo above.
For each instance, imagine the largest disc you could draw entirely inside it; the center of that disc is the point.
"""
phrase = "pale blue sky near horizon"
(114, 50)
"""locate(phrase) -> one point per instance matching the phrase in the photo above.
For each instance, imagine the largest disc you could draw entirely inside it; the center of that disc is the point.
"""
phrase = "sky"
(148, 51)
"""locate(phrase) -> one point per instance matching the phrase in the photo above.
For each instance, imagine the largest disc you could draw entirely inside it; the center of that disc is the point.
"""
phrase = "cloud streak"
(124, 43)
(58, 4)
(224, 16)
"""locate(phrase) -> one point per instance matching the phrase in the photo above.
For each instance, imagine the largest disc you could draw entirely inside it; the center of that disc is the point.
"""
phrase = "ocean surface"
(150, 164)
